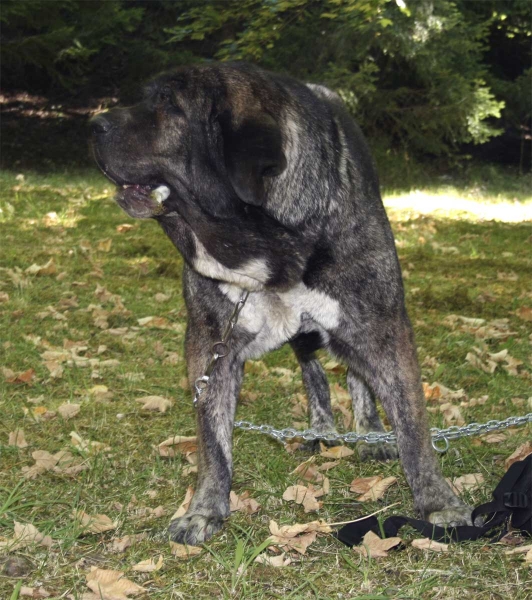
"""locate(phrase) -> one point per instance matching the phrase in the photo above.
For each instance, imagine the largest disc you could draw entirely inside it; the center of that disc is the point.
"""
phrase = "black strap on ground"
(512, 504)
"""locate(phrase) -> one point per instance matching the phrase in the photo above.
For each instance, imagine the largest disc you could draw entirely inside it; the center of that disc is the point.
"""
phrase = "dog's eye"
(165, 95)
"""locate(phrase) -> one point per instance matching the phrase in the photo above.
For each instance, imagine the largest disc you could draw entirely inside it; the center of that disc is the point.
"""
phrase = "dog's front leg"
(215, 412)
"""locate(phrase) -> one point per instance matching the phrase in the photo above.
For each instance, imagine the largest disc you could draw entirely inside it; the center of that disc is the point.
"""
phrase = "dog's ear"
(253, 150)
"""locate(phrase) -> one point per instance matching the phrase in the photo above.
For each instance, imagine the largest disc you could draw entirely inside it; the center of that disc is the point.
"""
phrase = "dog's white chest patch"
(251, 275)
(275, 318)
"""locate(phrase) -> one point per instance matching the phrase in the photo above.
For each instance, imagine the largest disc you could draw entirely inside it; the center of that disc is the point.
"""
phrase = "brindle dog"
(269, 186)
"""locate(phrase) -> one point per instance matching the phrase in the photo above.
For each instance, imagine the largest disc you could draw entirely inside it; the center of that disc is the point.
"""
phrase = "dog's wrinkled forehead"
(191, 84)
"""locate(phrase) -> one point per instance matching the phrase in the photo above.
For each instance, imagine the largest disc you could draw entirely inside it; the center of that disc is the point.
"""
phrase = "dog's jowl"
(266, 184)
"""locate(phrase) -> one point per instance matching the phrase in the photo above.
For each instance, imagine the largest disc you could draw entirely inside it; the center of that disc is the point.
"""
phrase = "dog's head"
(209, 134)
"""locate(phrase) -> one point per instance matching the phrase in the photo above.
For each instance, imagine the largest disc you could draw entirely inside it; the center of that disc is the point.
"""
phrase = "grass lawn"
(70, 334)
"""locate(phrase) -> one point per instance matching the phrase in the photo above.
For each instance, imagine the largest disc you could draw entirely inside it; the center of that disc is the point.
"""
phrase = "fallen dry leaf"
(24, 377)
(94, 523)
(90, 446)
(184, 505)
(17, 438)
(149, 565)
(520, 454)
(426, 544)
(183, 551)
(108, 584)
(302, 495)
(281, 560)
(327, 466)
(178, 444)
(61, 462)
(243, 503)
(335, 452)
(376, 491)
(375, 547)
(124, 227)
(105, 245)
(30, 592)
(494, 438)
(47, 269)
(519, 550)
(308, 471)
(297, 537)
(67, 410)
(469, 482)
(528, 557)
(26, 535)
(524, 313)
(155, 403)
(452, 415)
(121, 544)
(361, 485)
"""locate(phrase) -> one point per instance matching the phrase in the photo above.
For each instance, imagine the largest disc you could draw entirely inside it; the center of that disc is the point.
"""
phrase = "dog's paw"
(455, 516)
(380, 452)
(194, 529)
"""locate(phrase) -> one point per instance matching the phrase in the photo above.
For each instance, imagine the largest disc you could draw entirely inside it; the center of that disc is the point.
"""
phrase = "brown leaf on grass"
(439, 392)
(243, 503)
(361, 485)
(308, 471)
(121, 544)
(91, 446)
(519, 550)
(452, 415)
(183, 507)
(30, 592)
(4, 297)
(184, 551)
(377, 490)
(155, 322)
(301, 494)
(61, 462)
(327, 466)
(281, 560)
(149, 565)
(524, 313)
(124, 227)
(373, 546)
(297, 537)
(494, 438)
(17, 438)
(427, 544)
(94, 523)
(108, 584)
(528, 557)
(105, 245)
(469, 482)
(68, 411)
(520, 454)
(157, 403)
(335, 452)
(100, 393)
(49, 268)
(511, 276)
(26, 535)
(55, 369)
(292, 447)
(178, 444)
(24, 377)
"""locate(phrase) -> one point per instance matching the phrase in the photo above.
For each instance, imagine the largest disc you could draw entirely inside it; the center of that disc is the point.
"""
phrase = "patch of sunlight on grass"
(454, 206)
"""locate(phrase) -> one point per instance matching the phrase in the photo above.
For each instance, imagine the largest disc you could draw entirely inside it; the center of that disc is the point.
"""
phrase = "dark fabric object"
(511, 505)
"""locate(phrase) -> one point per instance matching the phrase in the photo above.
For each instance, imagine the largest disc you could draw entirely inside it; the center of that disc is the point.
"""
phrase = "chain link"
(222, 348)
(219, 349)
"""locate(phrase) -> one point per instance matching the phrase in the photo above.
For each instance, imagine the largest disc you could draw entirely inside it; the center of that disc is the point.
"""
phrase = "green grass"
(465, 280)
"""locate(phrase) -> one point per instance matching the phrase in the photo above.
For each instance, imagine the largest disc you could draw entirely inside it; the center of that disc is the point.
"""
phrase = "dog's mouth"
(143, 201)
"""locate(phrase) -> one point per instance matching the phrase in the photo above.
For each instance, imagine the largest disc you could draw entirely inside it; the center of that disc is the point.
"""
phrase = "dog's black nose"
(100, 125)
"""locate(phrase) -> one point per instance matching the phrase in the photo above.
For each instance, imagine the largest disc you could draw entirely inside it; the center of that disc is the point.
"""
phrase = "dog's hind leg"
(367, 419)
(386, 357)
(316, 385)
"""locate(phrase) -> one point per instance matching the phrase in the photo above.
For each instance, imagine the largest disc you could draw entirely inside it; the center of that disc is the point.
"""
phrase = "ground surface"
(71, 335)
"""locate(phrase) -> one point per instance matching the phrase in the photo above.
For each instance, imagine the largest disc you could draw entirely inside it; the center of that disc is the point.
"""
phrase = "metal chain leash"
(221, 349)
(373, 437)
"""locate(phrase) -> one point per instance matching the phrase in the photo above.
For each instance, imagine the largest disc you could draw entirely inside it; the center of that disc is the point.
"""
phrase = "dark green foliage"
(425, 76)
